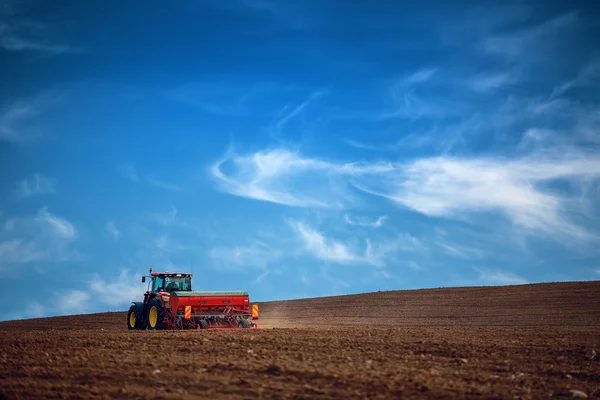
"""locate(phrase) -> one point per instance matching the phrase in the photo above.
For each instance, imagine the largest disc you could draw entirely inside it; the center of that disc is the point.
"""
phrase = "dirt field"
(531, 341)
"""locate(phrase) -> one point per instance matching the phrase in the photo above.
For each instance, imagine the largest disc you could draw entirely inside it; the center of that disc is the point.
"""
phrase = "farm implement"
(170, 303)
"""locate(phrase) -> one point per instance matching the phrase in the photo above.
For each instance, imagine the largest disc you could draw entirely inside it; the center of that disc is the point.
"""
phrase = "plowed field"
(529, 341)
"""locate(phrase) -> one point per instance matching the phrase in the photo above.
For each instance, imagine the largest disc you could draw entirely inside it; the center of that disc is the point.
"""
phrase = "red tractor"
(170, 303)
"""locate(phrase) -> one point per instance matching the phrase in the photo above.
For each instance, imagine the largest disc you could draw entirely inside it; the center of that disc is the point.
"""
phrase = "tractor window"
(157, 283)
(172, 283)
(178, 283)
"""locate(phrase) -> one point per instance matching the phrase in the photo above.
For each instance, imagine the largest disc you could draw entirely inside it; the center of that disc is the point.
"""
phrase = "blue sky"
(294, 149)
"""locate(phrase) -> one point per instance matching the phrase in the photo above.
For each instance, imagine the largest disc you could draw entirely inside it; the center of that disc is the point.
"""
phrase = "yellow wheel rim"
(153, 316)
(132, 320)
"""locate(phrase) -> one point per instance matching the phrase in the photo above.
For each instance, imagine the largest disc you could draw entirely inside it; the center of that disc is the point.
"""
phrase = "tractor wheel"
(155, 316)
(133, 320)
(203, 324)
(244, 323)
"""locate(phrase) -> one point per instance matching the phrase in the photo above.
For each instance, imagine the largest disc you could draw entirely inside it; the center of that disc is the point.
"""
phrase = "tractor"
(170, 303)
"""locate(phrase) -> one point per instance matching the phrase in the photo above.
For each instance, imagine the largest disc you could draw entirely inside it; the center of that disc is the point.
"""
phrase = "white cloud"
(112, 230)
(366, 222)
(35, 185)
(257, 255)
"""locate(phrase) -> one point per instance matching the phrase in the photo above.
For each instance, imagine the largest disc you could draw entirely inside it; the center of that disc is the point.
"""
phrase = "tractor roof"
(171, 273)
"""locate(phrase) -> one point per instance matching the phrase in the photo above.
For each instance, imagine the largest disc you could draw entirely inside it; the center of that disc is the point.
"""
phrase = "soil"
(526, 341)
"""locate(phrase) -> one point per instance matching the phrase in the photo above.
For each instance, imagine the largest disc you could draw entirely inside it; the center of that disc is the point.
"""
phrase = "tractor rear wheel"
(155, 315)
(244, 323)
(133, 320)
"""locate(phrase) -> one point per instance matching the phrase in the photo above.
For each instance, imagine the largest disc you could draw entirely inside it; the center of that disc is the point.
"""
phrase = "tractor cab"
(169, 282)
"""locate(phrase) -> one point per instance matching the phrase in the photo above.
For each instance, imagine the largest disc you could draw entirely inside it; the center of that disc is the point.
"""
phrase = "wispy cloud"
(277, 175)
(163, 185)
(587, 76)
(112, 230)
(332, 250)
(366, 222)
(412, 106)
(130, 172)
(288, 14)
(11, 121)
(35, 185)
(443, 186)
(456, 250)
(19, 119)
(257, 255)
(166, 218)
(61, 226)
(224, 98)
(416, 78)
(498, 277)
(353, 252)
(289, 113)
(115, 294)
(19, 33)
(295, 111)
(44, 237)
(118, 291)
(486, 82)
(529, 41)
(73, 301)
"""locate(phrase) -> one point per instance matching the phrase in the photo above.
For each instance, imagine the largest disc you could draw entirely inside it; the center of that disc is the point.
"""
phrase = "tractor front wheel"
(133, 320)
(155, 315)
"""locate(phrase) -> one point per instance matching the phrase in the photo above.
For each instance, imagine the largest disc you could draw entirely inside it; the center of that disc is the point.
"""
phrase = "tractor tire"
(203, 324)
(155, 315)
(134, 322)
(244, 323)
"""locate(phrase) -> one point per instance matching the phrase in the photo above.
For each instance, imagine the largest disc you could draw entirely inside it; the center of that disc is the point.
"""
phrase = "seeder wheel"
(244, 323)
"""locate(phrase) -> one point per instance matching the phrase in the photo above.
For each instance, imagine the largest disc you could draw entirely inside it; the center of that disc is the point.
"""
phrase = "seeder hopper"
(170, 303)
